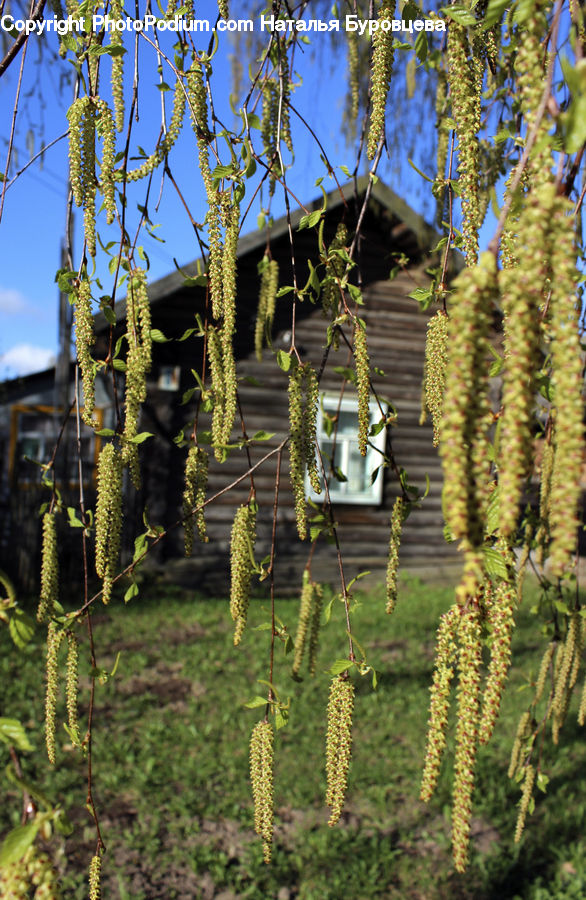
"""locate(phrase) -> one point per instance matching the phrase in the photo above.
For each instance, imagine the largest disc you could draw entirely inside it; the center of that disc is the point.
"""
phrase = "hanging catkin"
(83, 322)
(284, 92)
(338, 744)
(108, 516)
(49, 569)
(567, 383)
(269, 129)
(445, 659)
(266, 304)
(380, 79)
(469, 664)
(82, 164)
(311, 390)
(241, 565)
(521, 299)
(95, 876)
(296, 447)
(335, 268)
(261, 777)
(167, 142)
(117, 80)
(501, 623)
(72, 687)
(434, 373)
(397, 519)
(352, 51)
(362, 366)
(465, 403)
(527, 794)
(317, 600)
(229, 324)
(138, 363)
(465, 91)
(54, 638)
(106, 131)
(196, 478)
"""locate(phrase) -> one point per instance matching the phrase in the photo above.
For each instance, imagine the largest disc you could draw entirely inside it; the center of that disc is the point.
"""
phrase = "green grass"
(171, 764)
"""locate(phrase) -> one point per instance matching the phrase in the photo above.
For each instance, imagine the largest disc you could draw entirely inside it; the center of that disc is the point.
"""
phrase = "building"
(393, 238)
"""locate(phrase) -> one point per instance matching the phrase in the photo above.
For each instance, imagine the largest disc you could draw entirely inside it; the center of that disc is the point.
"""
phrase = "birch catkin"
(196, 477)
(54, 639)
(338, 744)
(261, 777)
(72, 687)
(469, 663)
(445, 659)
(241, 565)
(380, 80)
(95, 877)
(266, 304)
(397, 519)
(465, 403)
(49, 569)
(108, 516)
(362, 365)
(84, 339)
(434, 373)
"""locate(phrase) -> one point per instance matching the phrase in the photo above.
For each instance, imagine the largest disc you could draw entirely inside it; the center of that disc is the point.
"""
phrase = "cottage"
(391, 235)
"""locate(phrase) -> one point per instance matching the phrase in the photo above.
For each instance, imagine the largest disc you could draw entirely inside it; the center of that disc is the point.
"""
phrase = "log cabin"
(393, 239)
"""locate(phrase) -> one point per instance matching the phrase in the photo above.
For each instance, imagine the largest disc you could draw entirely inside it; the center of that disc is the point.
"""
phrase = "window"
(169, 378)
(348, 461)
(34, 431)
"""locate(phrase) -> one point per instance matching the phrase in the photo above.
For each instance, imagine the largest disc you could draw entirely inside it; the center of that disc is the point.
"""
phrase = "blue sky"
(33, 218)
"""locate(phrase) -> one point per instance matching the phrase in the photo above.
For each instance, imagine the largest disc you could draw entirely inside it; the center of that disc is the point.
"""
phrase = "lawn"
(171, 763)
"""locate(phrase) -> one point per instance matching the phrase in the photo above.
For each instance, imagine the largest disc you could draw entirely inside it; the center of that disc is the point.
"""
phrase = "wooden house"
(393, 237)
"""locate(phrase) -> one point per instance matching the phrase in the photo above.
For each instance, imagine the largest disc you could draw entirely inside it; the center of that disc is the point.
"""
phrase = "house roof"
(407, 227)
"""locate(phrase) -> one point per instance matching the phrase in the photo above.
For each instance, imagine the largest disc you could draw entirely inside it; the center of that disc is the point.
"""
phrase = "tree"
(510, 132)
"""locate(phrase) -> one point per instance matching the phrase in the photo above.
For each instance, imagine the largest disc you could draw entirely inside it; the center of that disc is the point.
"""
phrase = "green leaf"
(424, 297)
(460, 14)
(310, 220)
(74, 522)
(105, 432)
(356, 294)
(17, 842)
(12, 732)
(284, 360)
(328, 611)
(158, 336)
(340, 665)
(281, 718)
(109, 314)
(131, 592)
(222, 172)
(421, 46)
(413, 166)
(494, 12)
(21, 628)
(495, 564)
(139, 438)
(119, 365)
(254, 121)
(573, 120)
(195, 281)
(256, 701)
(263, 435)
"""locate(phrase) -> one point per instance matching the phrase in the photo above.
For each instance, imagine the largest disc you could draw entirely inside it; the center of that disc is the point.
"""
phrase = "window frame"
(19, 410)
(339, 493)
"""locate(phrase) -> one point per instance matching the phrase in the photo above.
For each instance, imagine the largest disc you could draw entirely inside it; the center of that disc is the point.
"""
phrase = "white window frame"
(340, 491)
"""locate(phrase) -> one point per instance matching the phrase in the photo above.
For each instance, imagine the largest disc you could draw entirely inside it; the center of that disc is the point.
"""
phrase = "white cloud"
(12, 302)
(22, 359)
